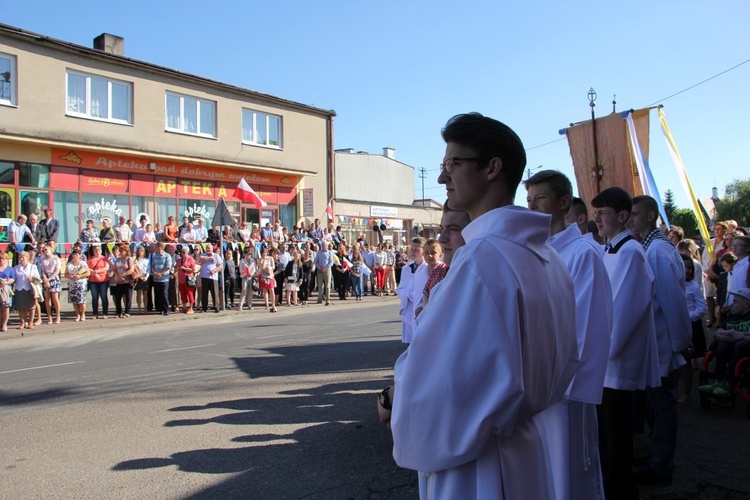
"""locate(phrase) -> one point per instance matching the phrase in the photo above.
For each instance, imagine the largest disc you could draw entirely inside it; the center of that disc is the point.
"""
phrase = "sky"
(395, 71)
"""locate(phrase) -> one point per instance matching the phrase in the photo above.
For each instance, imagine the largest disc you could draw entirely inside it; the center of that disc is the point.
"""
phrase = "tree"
(669, 206)
(736, 204)
(685, 218)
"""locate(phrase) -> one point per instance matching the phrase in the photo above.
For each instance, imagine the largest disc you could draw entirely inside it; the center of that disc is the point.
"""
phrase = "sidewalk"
(68, 323)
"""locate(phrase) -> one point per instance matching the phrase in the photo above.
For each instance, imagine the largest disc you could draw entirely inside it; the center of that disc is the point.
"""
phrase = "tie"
(413, 267)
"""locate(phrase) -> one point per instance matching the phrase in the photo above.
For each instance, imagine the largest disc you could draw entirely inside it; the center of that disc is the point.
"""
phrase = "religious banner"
(614, 165)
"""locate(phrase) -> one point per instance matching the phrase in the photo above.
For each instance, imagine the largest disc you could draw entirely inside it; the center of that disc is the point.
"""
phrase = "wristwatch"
(385, 399)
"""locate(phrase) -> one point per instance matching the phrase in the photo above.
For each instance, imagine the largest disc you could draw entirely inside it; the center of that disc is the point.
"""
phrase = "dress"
(50, 267)
(24, 298)
(267, 266)
(467, 395)
(77, 288)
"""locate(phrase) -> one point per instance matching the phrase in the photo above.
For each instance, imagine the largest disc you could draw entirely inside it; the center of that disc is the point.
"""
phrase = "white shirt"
(409, 291)
(737, 278)
(671, 317)
(633, 354)
(495, 346)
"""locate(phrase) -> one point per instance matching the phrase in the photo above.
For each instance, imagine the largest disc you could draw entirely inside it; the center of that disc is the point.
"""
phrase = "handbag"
(191, 281)
(36, 287)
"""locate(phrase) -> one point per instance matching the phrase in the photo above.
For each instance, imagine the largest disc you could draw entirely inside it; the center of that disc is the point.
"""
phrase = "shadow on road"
(8, 398)
(332, 445)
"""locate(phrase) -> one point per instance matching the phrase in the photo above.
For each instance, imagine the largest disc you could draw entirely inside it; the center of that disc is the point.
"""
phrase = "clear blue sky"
(395, 71)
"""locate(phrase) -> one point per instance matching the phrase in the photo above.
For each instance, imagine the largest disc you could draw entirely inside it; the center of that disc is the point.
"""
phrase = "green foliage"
(736, 204)
(669, 206)
(685, 218)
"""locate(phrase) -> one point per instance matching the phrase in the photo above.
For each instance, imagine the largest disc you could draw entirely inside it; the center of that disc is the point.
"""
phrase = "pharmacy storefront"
(82, 185)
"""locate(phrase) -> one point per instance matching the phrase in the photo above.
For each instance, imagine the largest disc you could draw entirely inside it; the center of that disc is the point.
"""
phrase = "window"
(191, 115)
(261, 128)
(7, 172)
(7, 79)
(99, 98)
(33, 175)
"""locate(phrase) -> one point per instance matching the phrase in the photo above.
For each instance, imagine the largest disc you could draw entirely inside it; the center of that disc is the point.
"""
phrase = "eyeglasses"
(449, 163)
(738, 245)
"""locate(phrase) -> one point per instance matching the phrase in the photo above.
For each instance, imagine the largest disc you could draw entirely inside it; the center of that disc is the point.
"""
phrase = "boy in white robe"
(633, 355)
(496, 344)
(414, 275)
(673, 335)
(572, 437)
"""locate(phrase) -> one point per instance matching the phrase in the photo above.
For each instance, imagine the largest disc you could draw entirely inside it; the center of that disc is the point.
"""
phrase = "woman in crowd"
(122, 272)
(7, 278)
(112, 280)
(248, 271)
(77, 273)
(230, 278)
(99, 282)
(293, 278)
(696, 303)
(243, 233)
(107, 233)
(307, 267)
(141, 288)
(197, 251)
(24, 293)
(355, 274)
(278, 275)
(185, 267)
(89, 234)
(35, 260)
(267, 281)
(689, 248)
(51, 268)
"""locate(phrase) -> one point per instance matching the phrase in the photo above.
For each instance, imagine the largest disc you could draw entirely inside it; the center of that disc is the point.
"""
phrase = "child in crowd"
(697, 308)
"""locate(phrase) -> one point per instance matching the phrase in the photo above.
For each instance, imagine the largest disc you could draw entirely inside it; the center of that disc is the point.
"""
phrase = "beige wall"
(373, 178)
(41, 113)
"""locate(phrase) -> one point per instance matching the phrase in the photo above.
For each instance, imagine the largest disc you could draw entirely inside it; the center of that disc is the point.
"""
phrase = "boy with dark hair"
(633, 362)
(497, 344)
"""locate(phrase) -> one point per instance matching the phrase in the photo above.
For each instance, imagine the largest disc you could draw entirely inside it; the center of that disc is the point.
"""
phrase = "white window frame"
(12, 77)
(87, 114)
(181, 118)
(256, 115)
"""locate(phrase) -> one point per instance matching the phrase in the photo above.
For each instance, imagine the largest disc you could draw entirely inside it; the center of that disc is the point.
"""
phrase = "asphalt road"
(250, 405)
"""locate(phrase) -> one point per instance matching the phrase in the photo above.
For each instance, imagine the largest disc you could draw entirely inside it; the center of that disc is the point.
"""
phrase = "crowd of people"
(170, 268)
(543, 344)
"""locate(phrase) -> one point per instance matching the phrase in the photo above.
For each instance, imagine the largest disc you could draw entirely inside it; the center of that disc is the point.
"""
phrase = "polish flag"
(329, 209)
(245, 193)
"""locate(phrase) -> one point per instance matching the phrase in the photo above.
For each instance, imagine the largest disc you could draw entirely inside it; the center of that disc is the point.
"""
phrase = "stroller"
(741, 386)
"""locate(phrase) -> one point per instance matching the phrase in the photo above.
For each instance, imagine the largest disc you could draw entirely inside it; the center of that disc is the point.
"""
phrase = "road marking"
(183, 348)
(43, 366)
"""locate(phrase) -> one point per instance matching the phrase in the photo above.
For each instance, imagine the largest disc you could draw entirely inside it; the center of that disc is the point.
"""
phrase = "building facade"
(377, 191)
(94, 134)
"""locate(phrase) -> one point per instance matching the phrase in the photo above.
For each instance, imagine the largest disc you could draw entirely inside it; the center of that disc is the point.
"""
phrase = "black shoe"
(216, 310)
(648, 476)
(164, 313)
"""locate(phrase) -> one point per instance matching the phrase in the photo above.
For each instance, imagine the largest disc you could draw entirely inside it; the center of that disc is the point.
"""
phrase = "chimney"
(110, 43)
(389, 153)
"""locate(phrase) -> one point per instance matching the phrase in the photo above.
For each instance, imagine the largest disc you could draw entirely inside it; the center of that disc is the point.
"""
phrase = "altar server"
(414, 275)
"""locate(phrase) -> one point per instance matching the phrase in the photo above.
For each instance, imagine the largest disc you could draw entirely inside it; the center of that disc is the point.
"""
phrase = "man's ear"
(495, 168)
(623, 216)
(652, 216)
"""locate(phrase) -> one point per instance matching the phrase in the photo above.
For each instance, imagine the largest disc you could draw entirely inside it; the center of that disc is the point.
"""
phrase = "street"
(250, 405)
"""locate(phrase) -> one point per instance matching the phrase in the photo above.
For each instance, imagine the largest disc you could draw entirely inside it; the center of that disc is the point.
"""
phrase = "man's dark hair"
(578, 207)
(591, 226)
(647, 201)
(489, 138)
(557, 182)
(615, 198)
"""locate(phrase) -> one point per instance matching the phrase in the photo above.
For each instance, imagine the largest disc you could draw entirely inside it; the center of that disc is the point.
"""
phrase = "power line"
(699, 83)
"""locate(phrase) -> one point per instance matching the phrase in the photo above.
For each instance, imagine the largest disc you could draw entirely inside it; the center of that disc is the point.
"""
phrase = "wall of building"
(373, 178)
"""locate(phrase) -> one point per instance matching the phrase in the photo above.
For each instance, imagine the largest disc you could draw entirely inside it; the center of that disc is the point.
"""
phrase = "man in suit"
(51, 227)
(35, 227)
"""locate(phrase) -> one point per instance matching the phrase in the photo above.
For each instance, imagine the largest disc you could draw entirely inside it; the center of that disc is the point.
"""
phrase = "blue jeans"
(664, 427)
(356, 282)
(99, 290)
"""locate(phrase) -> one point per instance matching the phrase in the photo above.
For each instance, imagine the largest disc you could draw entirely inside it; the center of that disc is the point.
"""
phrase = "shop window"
(98, 206)
(141, 205)
(99, 98)
(33, 202)
(7, 80)
(197, 208)
(66, 211)
(33, 175)
(261, 129)
(164, 208)
(7, 172)
(288, 215)
(190, 115)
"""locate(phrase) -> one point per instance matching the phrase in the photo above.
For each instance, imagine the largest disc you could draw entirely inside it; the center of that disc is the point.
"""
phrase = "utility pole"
(422, 175)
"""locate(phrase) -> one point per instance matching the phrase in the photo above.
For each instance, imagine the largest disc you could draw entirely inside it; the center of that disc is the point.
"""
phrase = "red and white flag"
(245, 193)
(329, 209)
